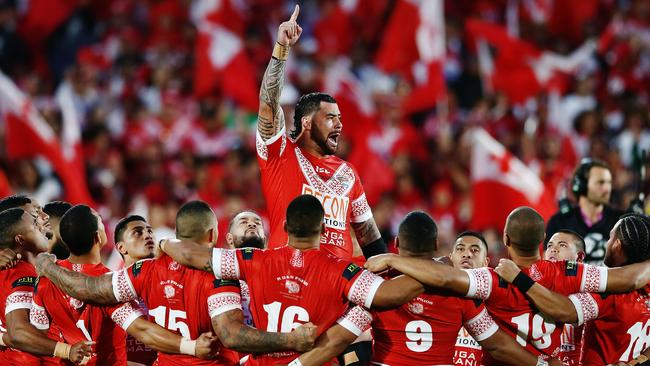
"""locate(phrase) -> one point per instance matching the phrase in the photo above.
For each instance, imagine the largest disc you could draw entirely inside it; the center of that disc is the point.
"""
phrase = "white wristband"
(295, 362)
(188, 347)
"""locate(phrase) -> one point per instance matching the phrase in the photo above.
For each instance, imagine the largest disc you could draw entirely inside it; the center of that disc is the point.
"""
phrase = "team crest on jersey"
(292, 287)
(170, 291)
(24, 281)
(174, 266)
(416, 308)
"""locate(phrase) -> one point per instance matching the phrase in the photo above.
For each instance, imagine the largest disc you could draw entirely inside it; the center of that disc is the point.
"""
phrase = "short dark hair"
(580, 241)
(77, 228)
(9, 226)
(634, 234)
(14, 201)
(418, 233)
(305, 216)
(194, 219)
(56, 209)
(121, 226)
(307, 104)
(525, 228)
(475, 234)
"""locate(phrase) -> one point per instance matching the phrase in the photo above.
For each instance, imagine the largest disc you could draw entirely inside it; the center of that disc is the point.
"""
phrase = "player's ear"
(306, 123)
(19, 240)
(121, 248)
(212, 238)
(487, 262)
(97, 237)
(506, 240)
(581, 256)
(322, 228)
(396, 242)
(230, 241)
(284, 225)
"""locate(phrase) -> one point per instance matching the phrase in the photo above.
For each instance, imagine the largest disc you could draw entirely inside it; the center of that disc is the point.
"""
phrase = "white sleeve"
(361, 211)
(594, 279)
(482, 326)
(224, 264)
(122, 287)
(262, 146)
(364, 288)
(38, 317)
(126, 314)
(222, 302)
(586, 307)
(18, 300)
(356, 319)
(480, 283)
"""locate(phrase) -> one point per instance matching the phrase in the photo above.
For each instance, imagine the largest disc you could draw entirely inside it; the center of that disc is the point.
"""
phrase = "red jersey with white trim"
(617, 327)
(289, 171)
(571, 344)
(290, 287)
(517, 316)
(78, 321)
(468, 351)
(16, 292)
(181, 299)
(424, 330)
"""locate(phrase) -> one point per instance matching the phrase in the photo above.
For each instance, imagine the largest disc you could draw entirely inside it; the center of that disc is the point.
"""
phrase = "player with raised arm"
(21, 231)
(82, 230)
(305, 163)
(424, 331)
(298, 283)
(183, 300)
(567, 245)
(524, 231)
(616, 325)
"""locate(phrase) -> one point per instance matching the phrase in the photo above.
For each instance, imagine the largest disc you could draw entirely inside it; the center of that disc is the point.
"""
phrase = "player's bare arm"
(628, 278)
(330, 344)
(504, 348)
(270, 115)
(396, 291)
(22, 335)
(369, 237)
(91, 289)
(8, 258)
(188, 253)
(160, 339)
(236, 335)
(426, 271)
(552, 304)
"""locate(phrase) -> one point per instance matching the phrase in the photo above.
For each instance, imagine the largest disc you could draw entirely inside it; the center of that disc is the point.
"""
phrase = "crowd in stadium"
(469, 131)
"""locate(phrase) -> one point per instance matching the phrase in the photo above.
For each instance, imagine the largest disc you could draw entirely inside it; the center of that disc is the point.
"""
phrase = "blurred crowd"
(150, 143)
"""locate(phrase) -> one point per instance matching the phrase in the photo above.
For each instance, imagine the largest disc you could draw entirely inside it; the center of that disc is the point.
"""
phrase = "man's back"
(78, 321)
(424, 330)
(180, 299)
(290, 287)
(16, 291)
(516, 316)
(288, 171)
(617, 326)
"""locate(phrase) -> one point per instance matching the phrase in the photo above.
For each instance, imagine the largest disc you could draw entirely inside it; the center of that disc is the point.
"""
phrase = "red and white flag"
(414, 46)
(221, 62)
(501, 183)
(28, 135)
(521, 70)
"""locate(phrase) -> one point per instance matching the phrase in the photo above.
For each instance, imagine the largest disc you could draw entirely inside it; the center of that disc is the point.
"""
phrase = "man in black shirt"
(592, 217)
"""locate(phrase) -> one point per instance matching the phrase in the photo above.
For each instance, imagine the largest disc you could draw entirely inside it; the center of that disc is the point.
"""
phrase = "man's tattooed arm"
(90, 289)
(270, 114)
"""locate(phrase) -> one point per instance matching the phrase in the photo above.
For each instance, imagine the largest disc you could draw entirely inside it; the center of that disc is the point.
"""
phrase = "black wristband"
(375, 248)
(523, 282)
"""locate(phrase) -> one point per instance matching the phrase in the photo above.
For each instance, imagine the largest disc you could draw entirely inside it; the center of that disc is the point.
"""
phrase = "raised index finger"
(296, 11)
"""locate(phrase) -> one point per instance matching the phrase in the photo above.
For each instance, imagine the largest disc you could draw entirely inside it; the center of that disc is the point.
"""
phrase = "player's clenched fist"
(290, 31)
(304, 337)
(43, 260)
(207, 346)
(507, 269)
(80, 353)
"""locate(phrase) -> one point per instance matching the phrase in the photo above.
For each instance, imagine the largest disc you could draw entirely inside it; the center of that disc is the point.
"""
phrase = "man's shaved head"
(525, 229)
(194, 219)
